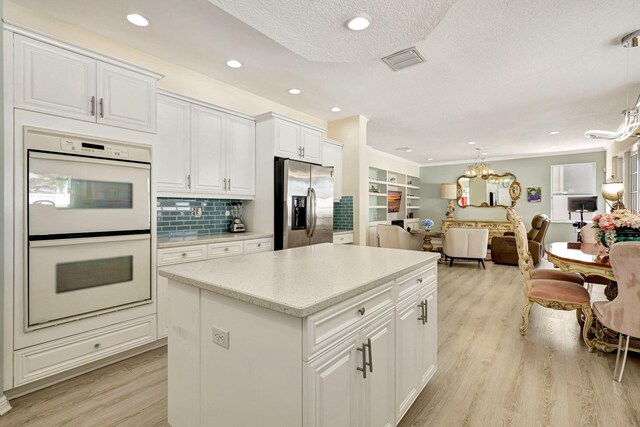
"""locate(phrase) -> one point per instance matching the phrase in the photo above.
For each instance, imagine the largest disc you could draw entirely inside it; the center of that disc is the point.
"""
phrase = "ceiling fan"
(631, 116)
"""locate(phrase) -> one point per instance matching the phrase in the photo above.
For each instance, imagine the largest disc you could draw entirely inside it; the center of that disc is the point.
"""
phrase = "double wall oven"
(88, 219)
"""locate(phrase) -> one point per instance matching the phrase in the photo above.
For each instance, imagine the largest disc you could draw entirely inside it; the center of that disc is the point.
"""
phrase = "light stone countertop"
(201, 239)
(300, 281)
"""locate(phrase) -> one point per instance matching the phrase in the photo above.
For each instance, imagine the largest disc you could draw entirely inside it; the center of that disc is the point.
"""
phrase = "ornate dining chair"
(588, 236)
(547, 289)
(623, 313)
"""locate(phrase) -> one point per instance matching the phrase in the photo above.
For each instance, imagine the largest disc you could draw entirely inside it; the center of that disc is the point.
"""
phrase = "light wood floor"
(488, 375)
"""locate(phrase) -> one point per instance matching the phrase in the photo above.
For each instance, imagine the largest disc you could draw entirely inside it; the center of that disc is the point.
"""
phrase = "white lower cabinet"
(416, 345)
(42, 361)
(182, 254)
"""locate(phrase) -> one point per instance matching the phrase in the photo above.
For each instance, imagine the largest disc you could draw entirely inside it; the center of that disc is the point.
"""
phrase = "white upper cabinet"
(173, 145)
(59, 81)
(126, 98)
(203, 151)
(208, 151)
(294, 140)
(311, 143)
(332, 153)
(241, 156)
(287, 139)
(53, 80)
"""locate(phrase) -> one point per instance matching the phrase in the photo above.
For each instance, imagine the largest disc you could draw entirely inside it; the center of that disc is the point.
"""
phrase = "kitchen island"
(325, 335)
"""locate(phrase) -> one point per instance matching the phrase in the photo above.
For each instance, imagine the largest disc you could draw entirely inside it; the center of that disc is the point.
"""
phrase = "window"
(576, 180)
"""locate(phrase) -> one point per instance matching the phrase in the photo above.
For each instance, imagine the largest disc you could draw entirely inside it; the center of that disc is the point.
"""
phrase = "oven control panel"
(91, 148)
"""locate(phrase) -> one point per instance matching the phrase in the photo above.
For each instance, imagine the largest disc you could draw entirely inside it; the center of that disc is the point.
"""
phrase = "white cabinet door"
(334, 386)
(162, 296)
(407, 353)
(311, 142)
(428, 340)
(53, 80)
(125, 98)
(287, 140)
(379, 396)
(332, 154)
(208, 157)
(241, 156)
(173, 145)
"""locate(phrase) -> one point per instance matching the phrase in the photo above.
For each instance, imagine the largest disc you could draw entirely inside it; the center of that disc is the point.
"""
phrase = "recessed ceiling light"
(408, 150)
(554, 146)
(485, 153)
(294, 91)
(472, 142)
(405, 149)
(336, 109)
(138, 20)
(359, 23)
(430, 158)
(554, 132)
(234, 64)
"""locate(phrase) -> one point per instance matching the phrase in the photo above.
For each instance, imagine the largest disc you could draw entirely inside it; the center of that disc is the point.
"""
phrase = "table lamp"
(449, 192)
(612, 191)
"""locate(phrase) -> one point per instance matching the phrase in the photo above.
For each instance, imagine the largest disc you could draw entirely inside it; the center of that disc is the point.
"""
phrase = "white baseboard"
(4, 405)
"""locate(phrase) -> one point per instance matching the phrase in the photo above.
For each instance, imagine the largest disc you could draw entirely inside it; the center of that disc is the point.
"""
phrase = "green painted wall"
(531, 172)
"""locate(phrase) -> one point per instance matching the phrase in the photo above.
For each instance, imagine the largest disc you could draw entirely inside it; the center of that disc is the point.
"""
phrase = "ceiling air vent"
(403, 59)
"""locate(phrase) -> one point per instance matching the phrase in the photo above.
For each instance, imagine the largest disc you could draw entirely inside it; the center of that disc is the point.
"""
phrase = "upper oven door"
(73, 194)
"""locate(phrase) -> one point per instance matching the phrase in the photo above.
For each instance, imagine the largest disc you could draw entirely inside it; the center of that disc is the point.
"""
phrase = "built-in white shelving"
(381, 183)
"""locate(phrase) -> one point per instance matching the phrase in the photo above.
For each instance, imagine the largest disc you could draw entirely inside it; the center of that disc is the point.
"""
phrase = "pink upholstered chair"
(549, 289)
(623, 313)
(588, 236)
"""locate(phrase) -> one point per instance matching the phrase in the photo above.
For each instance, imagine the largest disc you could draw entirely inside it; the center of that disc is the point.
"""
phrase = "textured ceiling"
(502, 73)
(315, 29)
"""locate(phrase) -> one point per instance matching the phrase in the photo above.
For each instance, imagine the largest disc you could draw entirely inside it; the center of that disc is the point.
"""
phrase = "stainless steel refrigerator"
(303, 204)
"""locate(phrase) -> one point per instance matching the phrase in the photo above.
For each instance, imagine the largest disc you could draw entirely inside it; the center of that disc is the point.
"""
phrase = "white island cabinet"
(325, 335)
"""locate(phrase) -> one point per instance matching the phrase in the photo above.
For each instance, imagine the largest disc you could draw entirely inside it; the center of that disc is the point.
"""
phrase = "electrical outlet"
(197, 212)
(220, 337)
(227, 213)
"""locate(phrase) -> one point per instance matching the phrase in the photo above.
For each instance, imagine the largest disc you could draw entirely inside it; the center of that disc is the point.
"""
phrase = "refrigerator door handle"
(314, 213)
(309, 212)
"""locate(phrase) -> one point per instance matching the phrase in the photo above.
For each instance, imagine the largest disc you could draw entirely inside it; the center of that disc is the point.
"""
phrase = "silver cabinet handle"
(364, 361)
(361, 311)
(229, 181)
(102, 107)
(184, 254)
(420, 280)
(97, 345)
(226, 249)
(422, 312)
(299, 151)
(370, 356)
(426, 312)
(93, 105)
(189, 181)
(302, 151)
(225, 183)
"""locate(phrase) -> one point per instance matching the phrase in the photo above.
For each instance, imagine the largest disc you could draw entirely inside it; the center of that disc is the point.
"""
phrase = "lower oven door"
(74, 278)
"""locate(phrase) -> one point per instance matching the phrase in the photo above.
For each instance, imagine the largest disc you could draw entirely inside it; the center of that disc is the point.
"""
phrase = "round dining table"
(587, 259)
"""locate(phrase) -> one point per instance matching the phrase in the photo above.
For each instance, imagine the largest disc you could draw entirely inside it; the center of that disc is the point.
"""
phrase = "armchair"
(503, 248)
(466, 243)
(392, 236)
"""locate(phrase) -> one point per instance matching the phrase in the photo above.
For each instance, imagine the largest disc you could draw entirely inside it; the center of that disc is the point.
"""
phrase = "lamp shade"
(612, 191)
(449, 191)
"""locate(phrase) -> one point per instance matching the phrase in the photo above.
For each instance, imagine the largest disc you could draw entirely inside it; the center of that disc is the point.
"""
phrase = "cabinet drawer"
(342, 239)
(183, 254)
(415, 280)
(332, 324)
(220, 250)
(257, 245)
(52, 358)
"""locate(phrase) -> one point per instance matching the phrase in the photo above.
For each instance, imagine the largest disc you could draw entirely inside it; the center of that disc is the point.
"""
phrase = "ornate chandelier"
(479, 168)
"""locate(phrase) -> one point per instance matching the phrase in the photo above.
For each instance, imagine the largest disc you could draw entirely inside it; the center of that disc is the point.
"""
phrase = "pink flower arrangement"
(606, 224)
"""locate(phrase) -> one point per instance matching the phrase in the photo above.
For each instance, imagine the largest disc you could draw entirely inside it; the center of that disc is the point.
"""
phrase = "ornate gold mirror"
(491, 190)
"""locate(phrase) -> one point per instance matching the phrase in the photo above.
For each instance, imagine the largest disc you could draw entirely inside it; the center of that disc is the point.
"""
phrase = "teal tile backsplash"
(176, 215)
(343, 214)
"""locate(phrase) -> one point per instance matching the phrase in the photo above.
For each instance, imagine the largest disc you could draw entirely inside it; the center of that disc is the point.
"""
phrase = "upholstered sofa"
(395, 237)
(503, 248)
